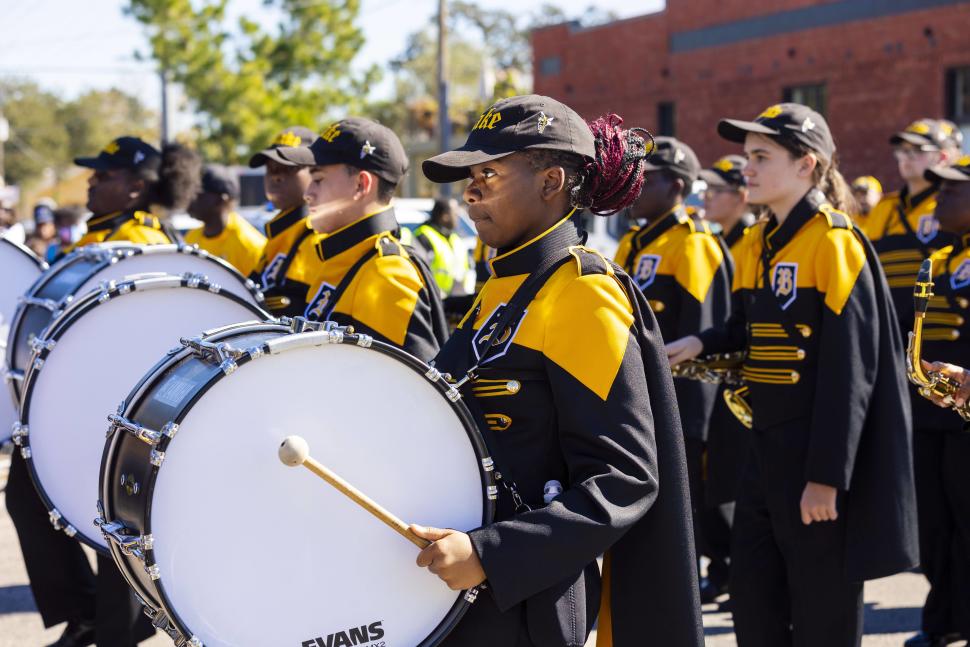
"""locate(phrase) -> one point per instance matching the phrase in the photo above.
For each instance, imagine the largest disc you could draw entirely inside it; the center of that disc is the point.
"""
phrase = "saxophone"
(930, 383)
(721, 369)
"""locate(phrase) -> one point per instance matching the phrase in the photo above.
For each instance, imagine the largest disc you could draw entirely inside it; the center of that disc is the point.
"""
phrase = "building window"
(550, 66)
(667, 118)
(812, 96)
(958, 94)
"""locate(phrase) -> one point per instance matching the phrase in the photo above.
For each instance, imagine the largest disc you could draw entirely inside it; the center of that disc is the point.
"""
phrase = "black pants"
(65, 587)
(788, 587)
(942, 466)
(712, 523)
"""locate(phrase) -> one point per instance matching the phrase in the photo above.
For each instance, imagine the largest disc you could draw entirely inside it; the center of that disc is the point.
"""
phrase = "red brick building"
(870, 66)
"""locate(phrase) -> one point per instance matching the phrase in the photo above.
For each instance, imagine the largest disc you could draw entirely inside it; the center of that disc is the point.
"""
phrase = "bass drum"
(87, 360)
(85, 269)
(225, 545)
(20, 268)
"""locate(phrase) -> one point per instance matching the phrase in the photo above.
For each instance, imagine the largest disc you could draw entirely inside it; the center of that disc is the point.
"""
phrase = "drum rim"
(474, 434)
(26, 251)
(105, 254)
(55, 330)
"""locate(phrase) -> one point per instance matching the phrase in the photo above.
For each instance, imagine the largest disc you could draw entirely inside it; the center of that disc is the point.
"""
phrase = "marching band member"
(129, 176)
(364, 275)
(726, 207)
(942, 449)
(827, 498)
(680, 267)
(572, 388)
(905, 231)
(867, 191)
(281, 271)
(224, 233)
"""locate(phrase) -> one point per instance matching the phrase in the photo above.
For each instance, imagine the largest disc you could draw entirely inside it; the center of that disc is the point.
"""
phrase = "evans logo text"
(361, 635)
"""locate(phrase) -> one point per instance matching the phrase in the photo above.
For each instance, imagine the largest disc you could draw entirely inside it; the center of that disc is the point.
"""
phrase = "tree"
(250, 82)
(37, 138)
(99, 116)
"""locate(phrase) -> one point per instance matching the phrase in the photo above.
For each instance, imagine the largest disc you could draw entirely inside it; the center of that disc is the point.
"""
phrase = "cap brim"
(946, 174)
(911, 138)
(735, 130)
(95, 163)
(260, 158)
(453, 166)
(713, 178)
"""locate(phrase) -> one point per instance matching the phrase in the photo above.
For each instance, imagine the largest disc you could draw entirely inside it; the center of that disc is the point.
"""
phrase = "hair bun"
(613, 180)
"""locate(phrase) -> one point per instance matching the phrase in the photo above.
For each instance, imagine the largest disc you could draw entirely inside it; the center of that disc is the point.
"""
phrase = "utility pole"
(4, 136)
(163, 75)
(444, 123)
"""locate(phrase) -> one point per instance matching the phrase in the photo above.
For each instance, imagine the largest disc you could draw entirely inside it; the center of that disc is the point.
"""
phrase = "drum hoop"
(174, 620)
(110, 290)
(26, 251)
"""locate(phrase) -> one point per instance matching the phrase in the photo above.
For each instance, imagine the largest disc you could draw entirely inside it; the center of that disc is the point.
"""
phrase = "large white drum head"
(19, 271)
(171, 262)
(252, 552)
(93, 366)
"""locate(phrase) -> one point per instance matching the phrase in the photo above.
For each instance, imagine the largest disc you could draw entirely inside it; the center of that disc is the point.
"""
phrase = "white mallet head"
(294, 451)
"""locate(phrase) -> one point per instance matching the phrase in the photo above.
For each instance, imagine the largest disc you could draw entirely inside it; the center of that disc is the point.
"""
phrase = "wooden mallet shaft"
(295, 451)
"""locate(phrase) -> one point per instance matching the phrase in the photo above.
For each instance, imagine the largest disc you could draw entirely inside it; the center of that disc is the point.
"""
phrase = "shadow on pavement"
(891, 620)
(16, 599)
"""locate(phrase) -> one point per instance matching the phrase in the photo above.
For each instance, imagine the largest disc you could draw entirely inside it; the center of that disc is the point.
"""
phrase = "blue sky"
(72, 45)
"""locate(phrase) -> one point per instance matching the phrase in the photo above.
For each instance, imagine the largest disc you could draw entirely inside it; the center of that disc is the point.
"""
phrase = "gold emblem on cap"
(331, 133)
(112, 148)
(963, 161)
(723, 164)
(770, 112)
(919, 127)
(544, 121)
(287, 139)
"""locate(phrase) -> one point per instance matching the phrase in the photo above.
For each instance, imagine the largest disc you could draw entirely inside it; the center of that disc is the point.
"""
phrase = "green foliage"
(249, 82)
(47, 132)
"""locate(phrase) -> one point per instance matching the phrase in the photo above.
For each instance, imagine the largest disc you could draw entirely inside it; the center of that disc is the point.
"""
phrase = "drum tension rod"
(224, 354)
(143, 434)
(131, 545)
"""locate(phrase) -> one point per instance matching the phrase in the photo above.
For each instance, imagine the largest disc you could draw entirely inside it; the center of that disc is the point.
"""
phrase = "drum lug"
(365, 341)
(472, 594)
(156, 458)
(48, 304)
(222, 352)
(39, 344)
(131, 545)
(13, 375)
(160, 621)
(434, 375)
(143, 434)
(38, 364)
(19, 432)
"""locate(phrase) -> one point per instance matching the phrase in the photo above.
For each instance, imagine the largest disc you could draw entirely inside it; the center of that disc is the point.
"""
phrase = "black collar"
(737, 232)
(960, 243)
(776, 237)
(526, 258)
(344, 239)
(284, 220)
(910, 203)
(110, 221)
(652, 231)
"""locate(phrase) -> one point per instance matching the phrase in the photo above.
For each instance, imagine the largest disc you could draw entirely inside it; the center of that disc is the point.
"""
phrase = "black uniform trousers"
(788, 585)
(712, 523)
(64, 586)
(941, 460)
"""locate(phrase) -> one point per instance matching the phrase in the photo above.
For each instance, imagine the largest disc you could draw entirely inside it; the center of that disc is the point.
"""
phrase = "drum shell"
(124, 454)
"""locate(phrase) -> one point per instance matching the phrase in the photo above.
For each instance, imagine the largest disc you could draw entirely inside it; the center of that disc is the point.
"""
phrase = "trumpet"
(930, 383)
(721, 369)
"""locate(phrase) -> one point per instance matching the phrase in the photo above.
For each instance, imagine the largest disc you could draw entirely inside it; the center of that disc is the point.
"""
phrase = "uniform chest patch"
(783, 283)
(961, 276)
(271, 273)
(488, 336)
(927, 228)
(319, 309)
(645, 271)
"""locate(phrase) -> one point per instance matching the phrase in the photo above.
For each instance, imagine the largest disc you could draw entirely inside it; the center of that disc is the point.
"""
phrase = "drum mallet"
(294, 451)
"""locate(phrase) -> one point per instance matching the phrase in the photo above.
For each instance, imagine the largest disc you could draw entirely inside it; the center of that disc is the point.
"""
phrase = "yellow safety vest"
(450, 262)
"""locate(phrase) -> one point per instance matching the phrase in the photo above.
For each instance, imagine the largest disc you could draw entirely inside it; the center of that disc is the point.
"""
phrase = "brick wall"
(880, 73)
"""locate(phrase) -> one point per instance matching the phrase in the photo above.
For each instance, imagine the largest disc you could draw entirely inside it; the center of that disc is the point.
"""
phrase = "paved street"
(892, 604)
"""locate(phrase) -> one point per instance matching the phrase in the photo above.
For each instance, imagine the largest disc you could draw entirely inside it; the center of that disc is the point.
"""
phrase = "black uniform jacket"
(364, 276)
(824, 345)
(680, 267)
(579, 392)
(946, 328)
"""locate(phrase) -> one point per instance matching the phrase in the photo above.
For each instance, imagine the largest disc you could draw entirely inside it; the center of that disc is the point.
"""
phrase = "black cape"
(658, 550)
(881, 534)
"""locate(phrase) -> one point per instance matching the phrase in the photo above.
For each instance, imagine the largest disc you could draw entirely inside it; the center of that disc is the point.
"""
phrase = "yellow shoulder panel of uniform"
(939, 258)
(840, 258)
(385, 295)
(702, 256)
(625, 246)
(588, 329)
(135, 232)
(875, 223)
